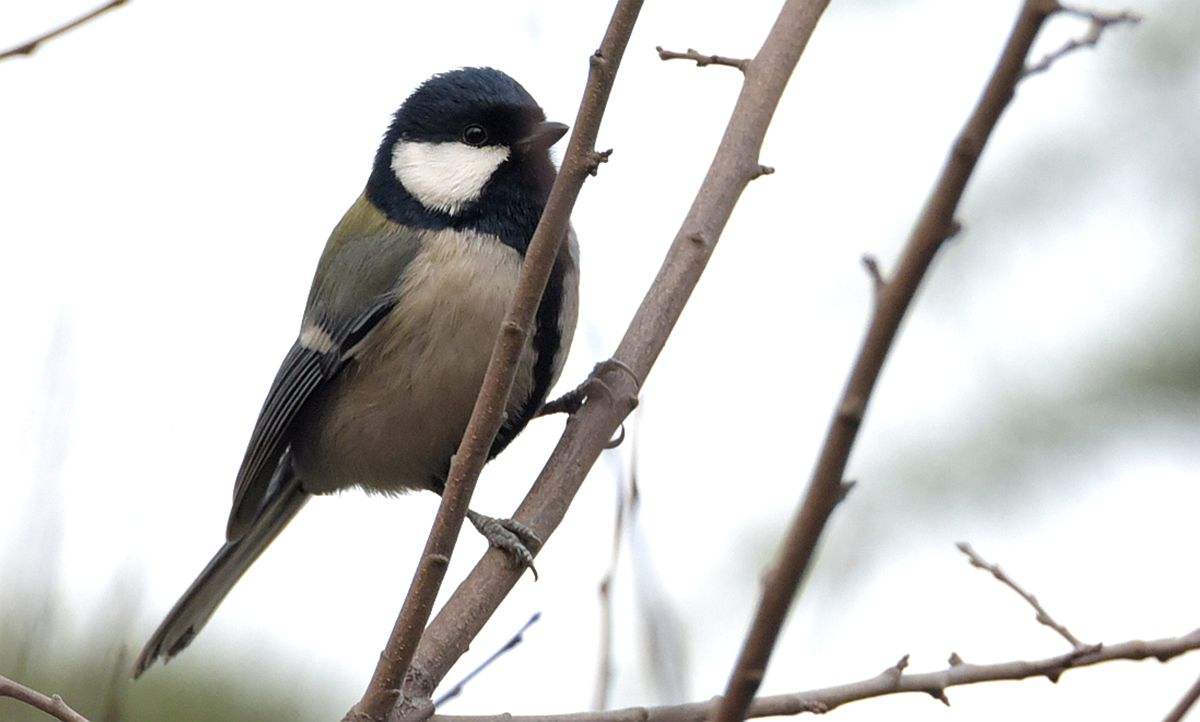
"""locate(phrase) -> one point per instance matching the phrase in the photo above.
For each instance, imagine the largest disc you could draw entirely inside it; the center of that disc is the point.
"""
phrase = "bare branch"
(604, 666)
(1043, 617)
(893, 680)
(508, 646)
(1180, 710)
(1098, 22)
(585, 435)
(702, 60)
(52, 705)
(579, 161)
(32, 45)
(934, 225)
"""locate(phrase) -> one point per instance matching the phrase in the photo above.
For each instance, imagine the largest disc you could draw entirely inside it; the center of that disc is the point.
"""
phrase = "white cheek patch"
(445, 176)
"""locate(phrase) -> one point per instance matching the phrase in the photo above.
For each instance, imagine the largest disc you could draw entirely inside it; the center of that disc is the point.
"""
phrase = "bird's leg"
(509, 536)
(572, 401)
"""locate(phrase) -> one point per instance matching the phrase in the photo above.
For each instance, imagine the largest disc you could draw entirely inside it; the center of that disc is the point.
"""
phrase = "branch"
(1180, 710)
(32, 45)
(702, 60)
(935, 224)
(579, 161)
(1043, 617)
(891, 681)
(604, 665)
(53, 705)
(614, 384)
(1098, 22)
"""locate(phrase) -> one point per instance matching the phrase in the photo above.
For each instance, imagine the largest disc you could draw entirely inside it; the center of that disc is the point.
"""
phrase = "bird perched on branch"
(405, 307)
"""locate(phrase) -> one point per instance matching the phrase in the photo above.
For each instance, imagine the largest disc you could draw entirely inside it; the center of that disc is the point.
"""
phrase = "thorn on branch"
(760, 171)
(953, 228)
(940, 695)
(1098, 22)
(595, 158)
(702, 60)
(897, 670)
(877, 283)
(955, 660)
(844, 489)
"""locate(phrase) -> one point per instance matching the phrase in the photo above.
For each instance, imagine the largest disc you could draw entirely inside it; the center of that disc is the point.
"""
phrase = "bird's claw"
(509, 536)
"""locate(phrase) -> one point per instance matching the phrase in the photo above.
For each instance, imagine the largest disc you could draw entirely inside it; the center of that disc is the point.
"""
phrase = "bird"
(405, 305)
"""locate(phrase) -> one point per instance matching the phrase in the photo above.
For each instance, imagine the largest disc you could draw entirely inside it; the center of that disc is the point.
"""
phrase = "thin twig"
(1181, 708)
(604, 665)
(893, 680)
(1098, 22)
(702, 59)
(618, 381)
(32, 45)
(52, 705)
(871, 264)
(579, 161)
(934, 225)
(1043, 617)
(508, 646)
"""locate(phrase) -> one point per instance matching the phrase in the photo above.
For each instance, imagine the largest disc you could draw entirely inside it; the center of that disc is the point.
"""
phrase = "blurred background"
(168, 176)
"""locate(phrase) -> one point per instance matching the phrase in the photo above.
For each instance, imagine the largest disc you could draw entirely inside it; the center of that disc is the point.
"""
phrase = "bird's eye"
(474, 135)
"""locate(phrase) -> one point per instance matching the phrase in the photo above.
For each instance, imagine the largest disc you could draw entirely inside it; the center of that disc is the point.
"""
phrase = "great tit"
(405, 306)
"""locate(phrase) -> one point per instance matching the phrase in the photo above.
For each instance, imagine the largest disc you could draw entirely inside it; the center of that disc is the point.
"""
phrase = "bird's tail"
(199, 602)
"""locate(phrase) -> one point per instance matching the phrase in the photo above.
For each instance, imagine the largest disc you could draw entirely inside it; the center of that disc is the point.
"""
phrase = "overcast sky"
(169, 174)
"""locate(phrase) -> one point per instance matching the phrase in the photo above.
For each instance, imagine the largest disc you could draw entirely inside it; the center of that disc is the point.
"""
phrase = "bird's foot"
(571, 402)
(509, 536)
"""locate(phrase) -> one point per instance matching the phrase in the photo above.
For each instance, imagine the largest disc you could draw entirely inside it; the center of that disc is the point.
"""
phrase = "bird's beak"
(543, 135)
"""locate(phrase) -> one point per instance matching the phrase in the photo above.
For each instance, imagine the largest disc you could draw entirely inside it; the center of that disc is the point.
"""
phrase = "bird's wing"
(354, 288)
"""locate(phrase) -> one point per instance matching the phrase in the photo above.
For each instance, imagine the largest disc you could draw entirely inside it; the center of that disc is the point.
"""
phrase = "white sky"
(169, 173)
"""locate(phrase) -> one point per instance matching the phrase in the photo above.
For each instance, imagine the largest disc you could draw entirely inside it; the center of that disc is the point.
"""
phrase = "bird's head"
(465, 142)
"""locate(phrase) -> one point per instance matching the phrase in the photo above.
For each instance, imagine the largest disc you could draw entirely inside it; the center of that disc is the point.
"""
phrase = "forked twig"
(1043, 617)
(1098, 22)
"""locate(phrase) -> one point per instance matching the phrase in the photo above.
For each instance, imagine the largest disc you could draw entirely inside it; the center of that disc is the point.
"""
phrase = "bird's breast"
(394, 417)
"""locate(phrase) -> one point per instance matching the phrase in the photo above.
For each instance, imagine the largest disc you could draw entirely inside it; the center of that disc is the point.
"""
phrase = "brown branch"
(32, 45)
(1098, 22)
(615, 383)
(1043, 617)
(579, 161)
(893, 680)
(52, 705)
(1180, 710)
(702, 60)
(933, 227)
